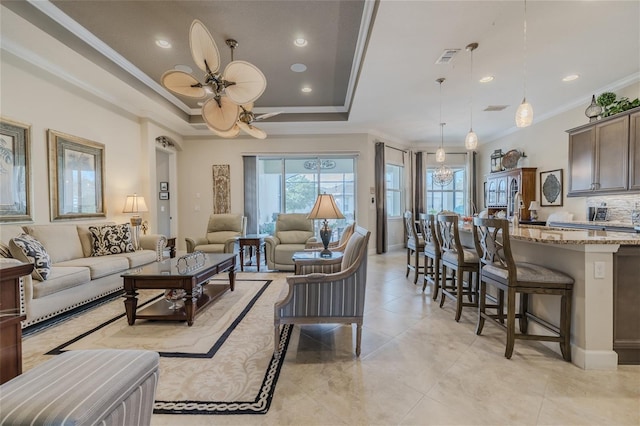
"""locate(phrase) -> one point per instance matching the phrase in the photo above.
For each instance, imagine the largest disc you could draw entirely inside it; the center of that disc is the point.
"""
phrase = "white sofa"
(75, 277)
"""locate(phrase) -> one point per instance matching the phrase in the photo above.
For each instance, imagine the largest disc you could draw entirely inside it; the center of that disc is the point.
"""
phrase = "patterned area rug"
(223, 364)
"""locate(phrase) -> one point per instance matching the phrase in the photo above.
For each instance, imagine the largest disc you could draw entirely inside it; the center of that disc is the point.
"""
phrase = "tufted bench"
(104, 386)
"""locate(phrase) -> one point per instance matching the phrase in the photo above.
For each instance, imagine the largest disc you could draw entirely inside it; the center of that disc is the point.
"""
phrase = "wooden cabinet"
(604, 157)
(503, 186)
(10, 317)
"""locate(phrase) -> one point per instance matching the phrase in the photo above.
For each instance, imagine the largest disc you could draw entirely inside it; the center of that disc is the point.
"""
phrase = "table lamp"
(135, 204)
(533, 210)
(325, 208)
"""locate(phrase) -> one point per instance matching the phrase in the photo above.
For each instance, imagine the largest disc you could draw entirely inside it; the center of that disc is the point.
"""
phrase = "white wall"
(195, 161)
(546, 145)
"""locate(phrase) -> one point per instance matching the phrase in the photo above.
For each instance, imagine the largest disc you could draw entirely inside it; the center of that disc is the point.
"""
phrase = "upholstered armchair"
(222, 231)
(293, 231)
(336, 297)
(339, 245)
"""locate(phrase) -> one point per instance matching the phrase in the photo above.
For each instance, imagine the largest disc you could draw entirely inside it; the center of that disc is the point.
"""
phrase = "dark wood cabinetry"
(10, 317)
(503, 186)
(626, 299)
(604, 157)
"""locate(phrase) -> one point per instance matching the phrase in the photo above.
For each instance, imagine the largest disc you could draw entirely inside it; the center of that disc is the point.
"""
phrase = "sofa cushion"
(294, 237)
(61, 278)
(210, 248)
(61, 241)
(7, 232)
(225, 222)
(138, 257)
(221, 236)
(99, 266)
(27, 249)
(5, 251)
(284, 253)
(111, 239)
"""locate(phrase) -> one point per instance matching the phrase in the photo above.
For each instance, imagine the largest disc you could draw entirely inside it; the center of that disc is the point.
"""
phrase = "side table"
(251, 241)
(314, 259)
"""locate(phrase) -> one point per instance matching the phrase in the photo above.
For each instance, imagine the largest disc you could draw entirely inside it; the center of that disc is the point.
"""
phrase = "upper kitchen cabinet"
(600, 157)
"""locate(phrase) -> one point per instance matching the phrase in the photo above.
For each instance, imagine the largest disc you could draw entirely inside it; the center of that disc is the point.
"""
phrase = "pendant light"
(471, 141)
(440, 154)
(524, 114)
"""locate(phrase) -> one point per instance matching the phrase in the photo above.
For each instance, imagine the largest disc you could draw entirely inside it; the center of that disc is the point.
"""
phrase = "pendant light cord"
(524, 71)
(471, 97)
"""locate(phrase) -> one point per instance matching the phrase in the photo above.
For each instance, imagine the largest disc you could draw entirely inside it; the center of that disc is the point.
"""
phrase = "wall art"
(221, 189)
(551, 188)
(15, 171)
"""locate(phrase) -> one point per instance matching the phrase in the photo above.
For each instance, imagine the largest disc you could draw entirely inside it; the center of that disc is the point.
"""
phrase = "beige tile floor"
(419, 367)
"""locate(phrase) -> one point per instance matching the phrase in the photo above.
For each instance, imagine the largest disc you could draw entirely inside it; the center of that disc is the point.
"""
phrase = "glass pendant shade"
(471, 141)
(524, 114)
(443, 175)
(440, 155)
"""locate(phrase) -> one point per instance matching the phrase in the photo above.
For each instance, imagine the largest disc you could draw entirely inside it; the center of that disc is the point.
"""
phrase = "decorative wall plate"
(510, 159)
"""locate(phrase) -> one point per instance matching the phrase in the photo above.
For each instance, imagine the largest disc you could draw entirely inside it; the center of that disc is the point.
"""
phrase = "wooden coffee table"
(164, 275)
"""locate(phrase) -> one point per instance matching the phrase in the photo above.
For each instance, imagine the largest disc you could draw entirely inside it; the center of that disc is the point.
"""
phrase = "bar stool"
(498, 269)
(431, 253)
(415, 246)
(460, 260)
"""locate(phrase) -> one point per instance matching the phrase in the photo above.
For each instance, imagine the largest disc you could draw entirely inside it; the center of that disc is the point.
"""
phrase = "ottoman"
(86, 387)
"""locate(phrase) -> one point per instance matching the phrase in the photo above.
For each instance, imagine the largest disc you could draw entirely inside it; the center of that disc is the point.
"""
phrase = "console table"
(10, 317)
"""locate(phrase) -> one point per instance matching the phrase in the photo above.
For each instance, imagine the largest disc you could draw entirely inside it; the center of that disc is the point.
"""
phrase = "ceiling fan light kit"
(231, 93)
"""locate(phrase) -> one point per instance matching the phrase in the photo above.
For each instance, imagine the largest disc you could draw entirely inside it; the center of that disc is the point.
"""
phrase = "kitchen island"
(588, 257)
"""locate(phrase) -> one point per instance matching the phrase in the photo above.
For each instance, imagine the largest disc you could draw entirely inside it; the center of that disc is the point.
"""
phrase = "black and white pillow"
(27, 249)
(111, 239)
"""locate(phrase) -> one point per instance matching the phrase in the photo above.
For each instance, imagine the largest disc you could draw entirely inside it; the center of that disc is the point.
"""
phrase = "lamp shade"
(534, 205)
(471, 141)
(325, 208)
(135, 204)
(524, 114)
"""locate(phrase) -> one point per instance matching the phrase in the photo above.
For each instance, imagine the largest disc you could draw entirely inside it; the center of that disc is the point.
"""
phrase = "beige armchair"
(293, 231)
(334, 245)
(222, 232)
(336, 297)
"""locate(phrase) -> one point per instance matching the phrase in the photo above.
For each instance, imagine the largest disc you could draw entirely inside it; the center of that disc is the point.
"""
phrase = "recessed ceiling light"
(571, 77)
(163, 43)
(486, 79)
(298, 67)
(306, 89)
(300, 42)
(184, 68)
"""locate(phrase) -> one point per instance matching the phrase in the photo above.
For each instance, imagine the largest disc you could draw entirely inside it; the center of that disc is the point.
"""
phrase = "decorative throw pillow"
(27, 249)
(4, 251)
(111, 239)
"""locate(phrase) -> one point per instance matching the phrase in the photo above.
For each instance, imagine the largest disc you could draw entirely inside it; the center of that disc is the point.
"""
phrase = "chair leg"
(417, 263)
(482, 307)
(276, 339)
(436, 280)
(565, 326)
(511, 322)
(444, 275)
(428, 271)
(459, 296)
(524, 308)
(358, 338)
(501, 305)
(408, 261)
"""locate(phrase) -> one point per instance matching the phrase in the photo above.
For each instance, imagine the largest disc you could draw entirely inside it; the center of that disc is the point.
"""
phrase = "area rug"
(223, 364)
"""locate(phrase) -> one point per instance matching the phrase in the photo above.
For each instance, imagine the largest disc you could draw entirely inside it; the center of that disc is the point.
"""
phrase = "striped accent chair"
(336, 297)
(87, 387)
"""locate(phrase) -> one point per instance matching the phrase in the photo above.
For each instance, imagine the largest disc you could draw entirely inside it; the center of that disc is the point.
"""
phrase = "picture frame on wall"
(76, 177)
(164, 186)
(15, 171)
(163, 195)
(551, 188)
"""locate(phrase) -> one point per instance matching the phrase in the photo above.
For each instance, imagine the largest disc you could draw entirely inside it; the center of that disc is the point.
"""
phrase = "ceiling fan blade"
(252, 130)
(267, 115)
(249, 82)
(221, 118)
(234, 132)
(248, 107)
(203, 48)
(183, 84)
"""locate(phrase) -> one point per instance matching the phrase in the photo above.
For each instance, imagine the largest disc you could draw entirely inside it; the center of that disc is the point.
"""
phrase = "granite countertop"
(550, 235)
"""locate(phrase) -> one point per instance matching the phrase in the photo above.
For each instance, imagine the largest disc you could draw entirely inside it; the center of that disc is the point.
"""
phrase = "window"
(292, 184)
(394, 190)
(450, 197)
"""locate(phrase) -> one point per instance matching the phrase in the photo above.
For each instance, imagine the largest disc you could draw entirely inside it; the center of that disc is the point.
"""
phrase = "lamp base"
(326, 253)
(325, 236)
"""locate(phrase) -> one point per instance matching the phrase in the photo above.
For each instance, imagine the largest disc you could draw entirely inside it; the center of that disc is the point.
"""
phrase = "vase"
(593, 110)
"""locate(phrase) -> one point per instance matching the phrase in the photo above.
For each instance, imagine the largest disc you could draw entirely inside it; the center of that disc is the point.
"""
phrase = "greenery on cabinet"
(612, 106)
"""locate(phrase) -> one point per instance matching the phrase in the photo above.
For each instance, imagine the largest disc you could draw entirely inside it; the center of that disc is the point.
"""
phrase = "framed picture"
(76, 177)
(15, 171)
(163, 195)
(164, 186)
(551, 188)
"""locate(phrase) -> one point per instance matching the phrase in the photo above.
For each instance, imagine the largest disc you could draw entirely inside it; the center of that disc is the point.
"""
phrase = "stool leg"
(511, 322)
(501, 305)
(444, 274)
(408, 261)
(436, 280)
(482, 307)
(565, 326)
(416, 271)
(459, 296)
(524, 308)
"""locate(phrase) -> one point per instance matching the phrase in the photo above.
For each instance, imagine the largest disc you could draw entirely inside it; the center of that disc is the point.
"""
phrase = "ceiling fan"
(232, 92)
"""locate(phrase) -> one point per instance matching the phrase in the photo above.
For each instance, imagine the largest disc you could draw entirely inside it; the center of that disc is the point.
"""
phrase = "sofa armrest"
(229, 244)
(193, 242)
(155, 242)
(270, 244)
